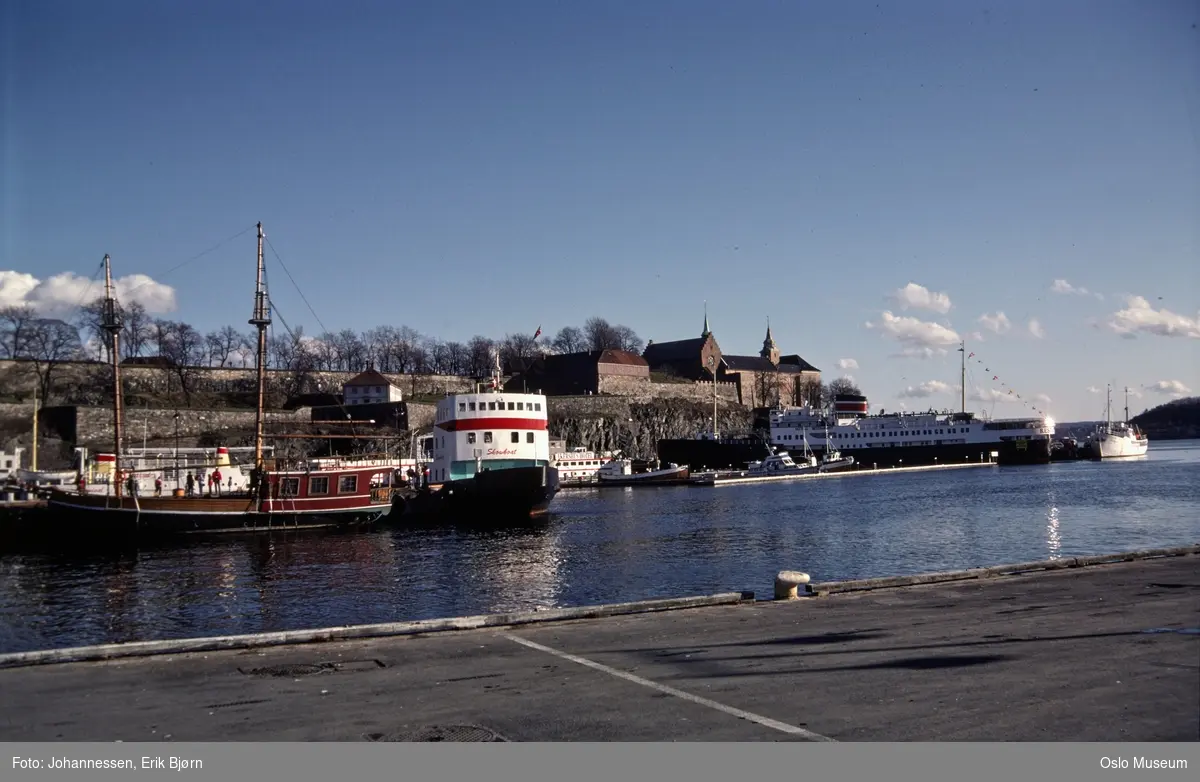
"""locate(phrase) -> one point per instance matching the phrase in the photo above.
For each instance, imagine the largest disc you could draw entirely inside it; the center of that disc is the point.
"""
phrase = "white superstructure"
(849, 427)
(492, 430)
(580, 464)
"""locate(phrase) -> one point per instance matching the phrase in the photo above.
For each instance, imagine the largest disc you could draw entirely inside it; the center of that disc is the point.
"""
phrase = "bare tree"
(184, 350)
(517, 350)
(808, 391)
(15, 325)
(222, 345)
(50, 343)
(351, 352)
(136, 329)
(569, 340)
(479, 357)
(601, 334)
(630, 341)
(765, 391)
(841, 385)
(458, 358)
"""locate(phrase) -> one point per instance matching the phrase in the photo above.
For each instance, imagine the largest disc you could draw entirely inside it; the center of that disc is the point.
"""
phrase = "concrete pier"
(1102, 651)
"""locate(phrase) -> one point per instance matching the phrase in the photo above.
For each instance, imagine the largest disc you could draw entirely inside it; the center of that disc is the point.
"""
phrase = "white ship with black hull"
(907, 439)
(910, 439)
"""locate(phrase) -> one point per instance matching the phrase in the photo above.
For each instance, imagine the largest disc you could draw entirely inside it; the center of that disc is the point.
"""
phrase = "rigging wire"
(197, 257)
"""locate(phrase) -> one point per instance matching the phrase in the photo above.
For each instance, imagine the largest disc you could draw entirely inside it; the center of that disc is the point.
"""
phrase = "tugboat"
(620, 472)
(491, 459)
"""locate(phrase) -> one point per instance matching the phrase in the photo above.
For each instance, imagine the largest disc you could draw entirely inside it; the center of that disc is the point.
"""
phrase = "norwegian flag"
(537, 333)
(969, 355)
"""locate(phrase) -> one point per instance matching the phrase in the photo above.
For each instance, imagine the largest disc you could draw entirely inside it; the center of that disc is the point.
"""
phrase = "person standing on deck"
(157, 486)
(191, 485)
(215, 488)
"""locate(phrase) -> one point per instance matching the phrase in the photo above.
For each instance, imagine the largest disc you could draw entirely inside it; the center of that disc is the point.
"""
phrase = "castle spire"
(770, 350)
(706, 332)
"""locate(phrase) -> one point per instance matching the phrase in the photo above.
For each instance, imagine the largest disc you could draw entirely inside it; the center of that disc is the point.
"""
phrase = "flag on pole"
(537, 333)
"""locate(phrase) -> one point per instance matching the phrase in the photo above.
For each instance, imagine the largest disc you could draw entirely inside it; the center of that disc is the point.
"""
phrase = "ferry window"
(491, 405)
(462, 407)
(537, 406)
(291, 487)
(470, 437)
(487, 437)
(529, 437)
(520, 405)
(472, 404)
(318, 485)
(347, 484)
(512, 406)
(516, 437)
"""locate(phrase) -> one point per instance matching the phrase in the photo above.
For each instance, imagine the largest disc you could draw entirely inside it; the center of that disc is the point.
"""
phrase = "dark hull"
(487, 497)
(1009, 452)
(731, 454)
(66, 514)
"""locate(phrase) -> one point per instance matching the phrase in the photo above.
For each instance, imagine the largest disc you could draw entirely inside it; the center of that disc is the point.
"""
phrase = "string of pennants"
(1011, 391)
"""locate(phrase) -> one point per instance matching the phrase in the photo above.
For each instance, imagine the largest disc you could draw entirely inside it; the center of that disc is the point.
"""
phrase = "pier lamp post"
(177, 486)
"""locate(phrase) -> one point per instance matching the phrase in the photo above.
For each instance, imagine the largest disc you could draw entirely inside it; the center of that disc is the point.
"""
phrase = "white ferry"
(903, 438)
(491, 456)
(579, 465)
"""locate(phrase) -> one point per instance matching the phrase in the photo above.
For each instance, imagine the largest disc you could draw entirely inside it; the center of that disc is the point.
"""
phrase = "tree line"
(179, 347)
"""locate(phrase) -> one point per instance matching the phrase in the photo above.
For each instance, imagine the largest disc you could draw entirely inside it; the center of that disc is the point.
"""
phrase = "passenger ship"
(491, 457)
(579, 466)
(911, 439)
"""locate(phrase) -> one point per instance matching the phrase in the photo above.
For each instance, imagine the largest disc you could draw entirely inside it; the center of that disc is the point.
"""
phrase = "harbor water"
(607, 545)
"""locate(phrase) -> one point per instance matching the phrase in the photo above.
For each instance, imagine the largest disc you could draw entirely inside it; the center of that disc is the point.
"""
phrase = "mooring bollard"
(786, 583)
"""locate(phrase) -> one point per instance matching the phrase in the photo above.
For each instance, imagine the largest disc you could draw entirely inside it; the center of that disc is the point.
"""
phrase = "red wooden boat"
(302, 495)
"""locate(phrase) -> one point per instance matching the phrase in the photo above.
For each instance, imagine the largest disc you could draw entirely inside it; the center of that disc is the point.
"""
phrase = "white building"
(370, 387)
(10, 463)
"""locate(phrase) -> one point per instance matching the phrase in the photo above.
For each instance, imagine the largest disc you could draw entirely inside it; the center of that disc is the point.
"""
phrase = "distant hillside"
(1177, 420)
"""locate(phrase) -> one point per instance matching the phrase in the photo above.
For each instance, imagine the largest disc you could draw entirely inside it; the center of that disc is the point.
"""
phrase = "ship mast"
(1126, 404)
(111, 324)
(962, 348)
(261, 319)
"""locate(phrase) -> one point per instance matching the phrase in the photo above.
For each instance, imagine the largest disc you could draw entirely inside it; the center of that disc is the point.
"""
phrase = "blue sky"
(486, 168)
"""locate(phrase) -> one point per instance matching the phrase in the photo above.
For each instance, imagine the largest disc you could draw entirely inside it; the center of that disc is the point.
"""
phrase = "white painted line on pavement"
(783, 727)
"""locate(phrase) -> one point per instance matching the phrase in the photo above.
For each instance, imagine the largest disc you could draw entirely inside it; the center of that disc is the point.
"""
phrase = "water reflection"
(1053, 539)
(603, 546)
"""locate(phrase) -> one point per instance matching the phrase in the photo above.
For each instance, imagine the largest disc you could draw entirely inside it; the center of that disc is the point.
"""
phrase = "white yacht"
(1116, 439)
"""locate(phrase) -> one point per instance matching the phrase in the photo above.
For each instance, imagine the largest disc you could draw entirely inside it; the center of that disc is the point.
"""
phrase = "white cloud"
(847, 363)
(920, 353)
(922, 390)
(921, 298)
(993, 395)
(1093, 390)
(914, 332)
(1035, 329)
(1170, 387)
(1139, 316)
(1066, 288)
(998, 323)
(59, 295)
